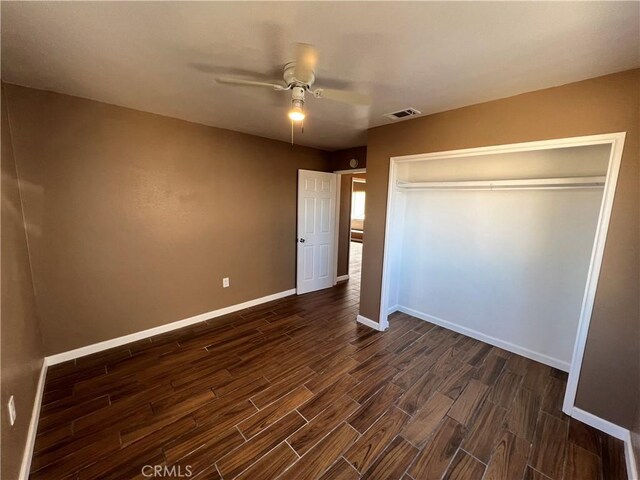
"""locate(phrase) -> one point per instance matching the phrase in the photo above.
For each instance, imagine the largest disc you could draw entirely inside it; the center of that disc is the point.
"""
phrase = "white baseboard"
(393, 309)
(630, 457)
(33, 424)
(116, 342)
(525, 352)
(342, 278)
(614, 430)
(600, 424)
(369, 323)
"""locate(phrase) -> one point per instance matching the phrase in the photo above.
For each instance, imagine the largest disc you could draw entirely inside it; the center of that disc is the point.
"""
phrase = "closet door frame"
(616, 141)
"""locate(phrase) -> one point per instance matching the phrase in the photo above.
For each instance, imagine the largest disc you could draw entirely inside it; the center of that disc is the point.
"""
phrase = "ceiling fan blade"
(250, 83)
(306, 62)
(343, 96)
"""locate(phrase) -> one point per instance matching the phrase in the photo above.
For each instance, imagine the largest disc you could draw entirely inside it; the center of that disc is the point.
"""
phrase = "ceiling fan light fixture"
(296, 113)
(299, 76)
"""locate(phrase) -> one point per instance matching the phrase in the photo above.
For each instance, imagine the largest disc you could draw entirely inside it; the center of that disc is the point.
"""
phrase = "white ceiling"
(162, 57)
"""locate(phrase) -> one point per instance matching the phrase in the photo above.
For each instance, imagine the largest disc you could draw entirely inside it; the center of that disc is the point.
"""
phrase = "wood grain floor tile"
(536, 376)
(490, 370)
(464, 467)
(54, 454)
(581, 464)
(415, 350)
(478, 354)
(585, 436)
(147, 427)
(549, 446)
(370, 365)
(53, 438)
(508, 459)
(523, 415)
(533, 474)
(246, 454)
(317, 460)
(62, 417)
(364, 390)
(224, 412)
(137, 454)
(454, 383)
(78, 459)
(188, 400)
(611, 454)
(341, 470)
(214, 438)
(404, 342)
(322, 424)
(419, 392)
(202, 461)
(272, 464)
(108, 422)
(393, 461)
(242, 386)
(373, 408)
(417, 367)
(485, 431)
(464, 408)
(433, 460)
(326, 397)
(553, 397)
(365, 451)
(424, 423)
(518, 364)
(424, 327)
(328, 378)
(505, 389)
(273, 412)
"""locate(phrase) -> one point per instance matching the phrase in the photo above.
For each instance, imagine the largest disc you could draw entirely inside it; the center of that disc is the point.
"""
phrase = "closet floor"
(296, 389)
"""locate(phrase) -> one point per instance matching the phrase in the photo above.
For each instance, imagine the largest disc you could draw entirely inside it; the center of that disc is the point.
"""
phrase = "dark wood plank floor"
(296, 389)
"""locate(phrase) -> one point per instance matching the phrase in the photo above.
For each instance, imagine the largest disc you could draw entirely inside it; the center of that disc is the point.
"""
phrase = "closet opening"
(503, 244)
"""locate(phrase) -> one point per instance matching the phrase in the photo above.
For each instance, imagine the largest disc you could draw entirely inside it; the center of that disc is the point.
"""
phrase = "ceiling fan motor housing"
(297, 98)
(297, 93)
(290, 76)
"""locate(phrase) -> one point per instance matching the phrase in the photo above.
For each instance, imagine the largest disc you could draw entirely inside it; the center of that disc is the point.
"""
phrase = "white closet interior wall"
(507, 266)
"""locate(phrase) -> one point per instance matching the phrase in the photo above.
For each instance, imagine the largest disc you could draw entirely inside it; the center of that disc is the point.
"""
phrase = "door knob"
(302, 240)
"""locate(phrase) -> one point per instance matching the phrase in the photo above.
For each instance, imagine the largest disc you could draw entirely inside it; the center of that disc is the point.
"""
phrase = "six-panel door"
(316, 230)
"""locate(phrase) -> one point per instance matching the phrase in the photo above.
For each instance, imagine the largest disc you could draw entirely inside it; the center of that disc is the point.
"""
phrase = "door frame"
(339, 173)
(616, 141)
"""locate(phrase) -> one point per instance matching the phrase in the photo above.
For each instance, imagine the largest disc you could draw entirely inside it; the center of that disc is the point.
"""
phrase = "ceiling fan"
(299, 76)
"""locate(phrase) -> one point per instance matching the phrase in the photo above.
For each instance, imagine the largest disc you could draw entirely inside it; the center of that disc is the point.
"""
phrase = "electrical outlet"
(225, 282)
(12, 410)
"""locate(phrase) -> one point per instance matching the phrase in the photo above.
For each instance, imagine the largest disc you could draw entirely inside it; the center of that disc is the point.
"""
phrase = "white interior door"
(316, 230)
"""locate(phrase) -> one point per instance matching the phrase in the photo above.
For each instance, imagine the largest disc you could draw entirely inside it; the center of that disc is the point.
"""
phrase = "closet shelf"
(519, 184)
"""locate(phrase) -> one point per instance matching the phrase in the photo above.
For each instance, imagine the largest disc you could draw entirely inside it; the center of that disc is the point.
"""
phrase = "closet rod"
(519, 184)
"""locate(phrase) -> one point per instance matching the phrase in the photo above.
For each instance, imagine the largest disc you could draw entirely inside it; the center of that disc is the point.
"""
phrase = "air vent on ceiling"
(407, 112)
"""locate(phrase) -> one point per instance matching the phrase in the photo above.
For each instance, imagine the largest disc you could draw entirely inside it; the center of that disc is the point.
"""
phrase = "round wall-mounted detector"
(353, 163)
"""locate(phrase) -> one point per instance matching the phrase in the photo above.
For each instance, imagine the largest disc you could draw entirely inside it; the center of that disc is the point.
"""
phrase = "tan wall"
(635, 436)
(611, 370)
(22, 351)
(340, 158)
(134, 218)
(344, 230)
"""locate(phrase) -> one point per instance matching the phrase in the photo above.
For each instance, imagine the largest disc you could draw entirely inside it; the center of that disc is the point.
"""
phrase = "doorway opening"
(356, 232)
(351, 221)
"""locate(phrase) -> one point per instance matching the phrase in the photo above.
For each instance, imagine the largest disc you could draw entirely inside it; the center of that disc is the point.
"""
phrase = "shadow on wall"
(22, 350)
